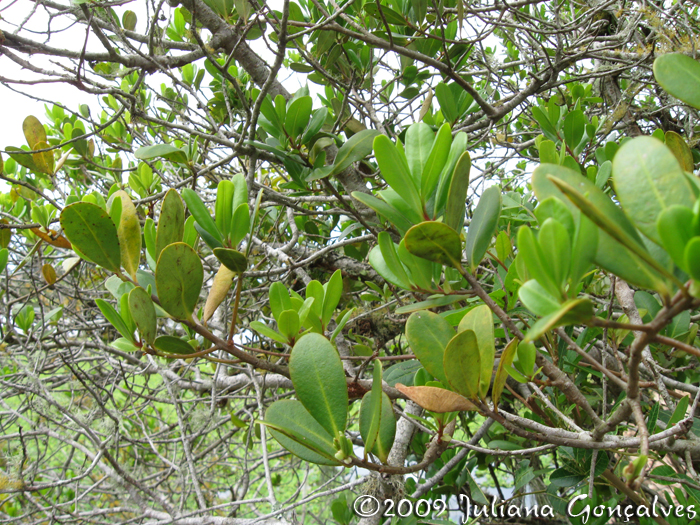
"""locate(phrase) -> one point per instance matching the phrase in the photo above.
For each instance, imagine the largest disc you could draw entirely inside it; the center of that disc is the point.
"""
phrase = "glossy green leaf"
(240, 225)
(553, 208)
(436, 242)
(179, 278)
(129, 234)
(675, 228)
(115, 319)
(387, 426)
(428, 334)
(91, 230)
(310, 441)
(555, 242)
(584, 249)
(483, 225)
(355, 149)
(419, 270)
(315, 125)
(572, 311)
(371, 410)
(232, 259)
(548, 152)
(680, 76)
(480, 321)
(419, 143)
(4, 256)
(165, 151)
(332, 293)
(436, 161)
(171, 223)
(527, 355)
(268, 332)
(319, 381)
(680, 150)
(456, 206)
(462, 364)
(279, 299)
(143, 313)
(648, 179)
(223, 208)
(298, 115)
(390, 255)
(288, 324)
(458, 148)
(388, 272)
(504, 363)
(386, 210)
(537, 299)
(534, 258)
(679, 412)
(547, 128)
(448, 105)
(574, 127)
(201, 215)
(395, 171)
(170, 344)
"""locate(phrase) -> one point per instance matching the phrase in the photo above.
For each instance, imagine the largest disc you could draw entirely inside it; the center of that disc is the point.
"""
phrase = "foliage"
(463, 259)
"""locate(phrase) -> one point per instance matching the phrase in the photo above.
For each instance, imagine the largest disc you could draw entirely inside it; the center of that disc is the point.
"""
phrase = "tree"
(461, 261)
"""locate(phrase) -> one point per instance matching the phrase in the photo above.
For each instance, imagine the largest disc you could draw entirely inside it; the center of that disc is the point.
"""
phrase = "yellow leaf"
(436, 399)
(129, 233)
(219, 290)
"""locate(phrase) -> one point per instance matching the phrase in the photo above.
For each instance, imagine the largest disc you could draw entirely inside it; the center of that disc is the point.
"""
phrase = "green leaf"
(311, 442)
(420, 270)
(584, 249)
(387, 425)
(436, 161)
(298, 114)
(390, 255)
(692, 257)
(91, 230)
(4, 256)
(680, 150)
(171, 223)
(536, 261)
(355, 149)
(129, 234)
(371, 410)
(504, 363)
(483, 225)
(169, 344)
(419, 142)
(680, 76)
(428, 334)
(480, 321)
(548, 152)
(165, 151)
(527, 355)
(462, 364)
(129, 20)
(319, 380)
(574, 128)
(179, 278)
(448, 105)
(536, 299)
(315, 125)
(436, 242)
(288, 324)
(549, 131)
(388, 272)
(675, 228)
(679, 412)
(201, 215)
(332, 293)
(598, 214)
(341, 322)
(23, 158)
(115, 319)
(268, 332)
(572, 311)
(554, 241)
(232, 259)
(279, 299)
(223, 209)
(402, 372)
(389, 212)
(143, 313)
(457, 194)
(553, 208)
(395, 171)
(648, 179)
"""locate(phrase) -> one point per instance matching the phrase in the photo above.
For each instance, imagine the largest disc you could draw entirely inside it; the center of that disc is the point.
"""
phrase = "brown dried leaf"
(53, 238)
(436, 399)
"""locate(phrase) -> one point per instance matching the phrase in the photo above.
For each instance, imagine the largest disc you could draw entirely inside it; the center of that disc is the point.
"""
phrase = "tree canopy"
(276, 256)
